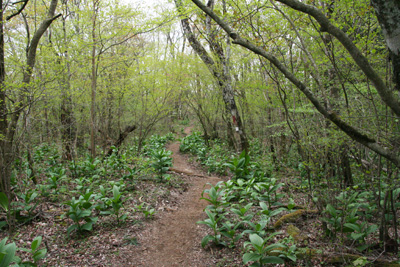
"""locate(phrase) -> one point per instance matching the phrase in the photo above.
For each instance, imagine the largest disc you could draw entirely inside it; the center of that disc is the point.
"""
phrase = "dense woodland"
(296, 103)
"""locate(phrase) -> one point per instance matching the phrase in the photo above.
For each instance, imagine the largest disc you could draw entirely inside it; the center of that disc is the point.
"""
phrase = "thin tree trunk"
(94, 83)
(8, 124)
(67, 119)
(220, 71)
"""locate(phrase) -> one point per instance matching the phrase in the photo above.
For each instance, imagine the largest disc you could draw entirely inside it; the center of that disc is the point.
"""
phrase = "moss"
(295, 232)
(292, 217)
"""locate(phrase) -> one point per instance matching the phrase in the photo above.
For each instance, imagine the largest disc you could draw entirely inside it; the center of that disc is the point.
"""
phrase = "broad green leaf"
(85, 213)
(36, 243)
(263, 205)
(256, 240)
(3, 201)
(2, 224)
(251, 256)
(40, 254)
(87, 226)
(332, 211)
(362, 247)
(353, 226)
(9, 252)
(274, 246)
(273, 260)
(356, 236)
(86, 205)
(371, 229)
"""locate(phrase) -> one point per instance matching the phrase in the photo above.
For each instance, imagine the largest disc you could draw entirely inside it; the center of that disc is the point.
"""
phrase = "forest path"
(173, 239)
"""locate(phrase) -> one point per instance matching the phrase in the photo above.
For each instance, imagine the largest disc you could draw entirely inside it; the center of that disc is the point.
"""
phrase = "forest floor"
(170, 237)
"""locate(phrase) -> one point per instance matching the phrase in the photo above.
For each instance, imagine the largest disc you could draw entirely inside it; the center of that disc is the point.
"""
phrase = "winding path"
(174, 238)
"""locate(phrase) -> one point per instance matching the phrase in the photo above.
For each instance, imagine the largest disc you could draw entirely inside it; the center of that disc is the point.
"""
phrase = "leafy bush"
(111, 205)
(8, 251)
(258, 250)
(162, 161)
(346, 218)
(80, 212)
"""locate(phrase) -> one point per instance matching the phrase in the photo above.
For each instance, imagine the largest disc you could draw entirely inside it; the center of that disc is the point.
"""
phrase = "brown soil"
(173, 239)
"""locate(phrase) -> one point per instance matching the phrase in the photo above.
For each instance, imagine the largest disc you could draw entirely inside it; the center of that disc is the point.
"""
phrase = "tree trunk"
(8, 125)
(388, 14)
(94, 83)
(220, 71)
(67, 118)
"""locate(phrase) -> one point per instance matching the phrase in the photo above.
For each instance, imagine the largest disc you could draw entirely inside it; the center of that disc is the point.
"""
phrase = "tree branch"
(19, 10)
(31, 53)
(351, 131)
(386, 95)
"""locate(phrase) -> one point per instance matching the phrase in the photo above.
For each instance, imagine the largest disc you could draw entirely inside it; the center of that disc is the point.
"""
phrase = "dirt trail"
(173, 239)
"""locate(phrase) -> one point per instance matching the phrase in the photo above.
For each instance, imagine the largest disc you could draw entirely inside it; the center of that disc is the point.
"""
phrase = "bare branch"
(19, 10)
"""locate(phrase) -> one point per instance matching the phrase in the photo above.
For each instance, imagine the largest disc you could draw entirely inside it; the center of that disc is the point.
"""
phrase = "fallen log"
(121, 138)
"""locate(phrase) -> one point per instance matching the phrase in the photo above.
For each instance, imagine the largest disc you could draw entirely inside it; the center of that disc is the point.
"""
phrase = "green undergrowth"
(250, 211)
(92, 193)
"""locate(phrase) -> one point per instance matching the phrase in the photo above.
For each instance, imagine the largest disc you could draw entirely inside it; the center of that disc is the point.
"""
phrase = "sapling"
(80, 213)
(258, 250)
(212, 222)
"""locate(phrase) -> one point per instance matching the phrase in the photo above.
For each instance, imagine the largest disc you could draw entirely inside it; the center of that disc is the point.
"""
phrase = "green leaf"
(371, 229)
(362, 247)
(251, 256)
(71, 228)
(2, 224)
(274, 246)
(3, 243)
(36, 243)
(4, 201)
(40, 254)
(356, 236)
(84, 213)
(87, 226)
(273, 260)
(206, 239)
(87, 205)
(2, 255)
(256, 240)
(8, 252)
(332, 211)
(353, 226)
(263, 206)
